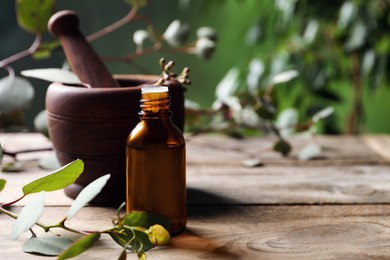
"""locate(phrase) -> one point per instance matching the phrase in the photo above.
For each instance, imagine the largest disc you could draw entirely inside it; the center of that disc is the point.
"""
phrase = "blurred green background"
(340, 48)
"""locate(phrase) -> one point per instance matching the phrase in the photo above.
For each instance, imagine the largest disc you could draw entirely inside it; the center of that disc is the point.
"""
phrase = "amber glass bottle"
(156, 161)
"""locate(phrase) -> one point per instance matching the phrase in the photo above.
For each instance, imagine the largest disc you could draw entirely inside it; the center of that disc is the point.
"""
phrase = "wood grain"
(250, 232)
(334, 207)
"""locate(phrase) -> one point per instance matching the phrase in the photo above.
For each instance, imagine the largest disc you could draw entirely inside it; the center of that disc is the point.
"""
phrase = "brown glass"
(156, 163)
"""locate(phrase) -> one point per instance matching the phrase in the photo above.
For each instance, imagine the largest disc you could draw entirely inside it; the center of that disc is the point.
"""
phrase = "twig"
(23, 54)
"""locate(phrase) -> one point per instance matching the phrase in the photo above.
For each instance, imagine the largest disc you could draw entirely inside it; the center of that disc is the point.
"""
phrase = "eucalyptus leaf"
(282, 147)
(33, 15)
(310, 151)
(79, 246)
(228, 85)
(286, 121)
(137, 3)
(158, 235)
(145, 219)
(49, 162)
(176, 33)
(323, 113)
(29, 215)
(358, 36)
(126, 235)
(251, 163)
(284, 76)
(48, 246)
(16, 166)
(87, 194)
(2, 184)
(15, 93)
(57, 180)
(53, 75)
(41, 123)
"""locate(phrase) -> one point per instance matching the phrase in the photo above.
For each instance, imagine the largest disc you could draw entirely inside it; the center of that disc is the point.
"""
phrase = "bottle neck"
(155, 105)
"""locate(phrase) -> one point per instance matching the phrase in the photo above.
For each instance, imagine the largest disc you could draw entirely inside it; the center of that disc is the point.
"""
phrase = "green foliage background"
(330, 64)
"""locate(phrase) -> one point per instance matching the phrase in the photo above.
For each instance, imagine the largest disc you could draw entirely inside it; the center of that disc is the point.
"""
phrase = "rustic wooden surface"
(334, 207)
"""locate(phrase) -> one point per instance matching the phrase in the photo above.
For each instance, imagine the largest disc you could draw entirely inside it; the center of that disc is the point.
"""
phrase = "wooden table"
(333, 207)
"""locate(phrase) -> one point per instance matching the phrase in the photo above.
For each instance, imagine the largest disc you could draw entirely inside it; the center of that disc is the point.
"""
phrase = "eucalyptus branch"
(23, 54)
(14, 154)
(121, 22)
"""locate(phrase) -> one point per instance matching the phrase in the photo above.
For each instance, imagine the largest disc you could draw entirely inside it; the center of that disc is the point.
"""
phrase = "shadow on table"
(215, 204)
(208, 248)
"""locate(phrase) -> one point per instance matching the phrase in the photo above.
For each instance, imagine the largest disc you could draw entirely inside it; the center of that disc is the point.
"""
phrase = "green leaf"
(53, 75)
(145, 219)
(45, 50)
(29, 215)
(87, 194)
(282, 147)
(80, 246)
(137, 3)
(48, 246)
(15, 93)
(57, 180)
(33, 15)
(138, 242)
(158, 235)
(2, 184)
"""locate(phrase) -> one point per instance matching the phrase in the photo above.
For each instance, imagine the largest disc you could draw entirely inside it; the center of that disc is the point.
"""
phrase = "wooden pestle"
(83, 60)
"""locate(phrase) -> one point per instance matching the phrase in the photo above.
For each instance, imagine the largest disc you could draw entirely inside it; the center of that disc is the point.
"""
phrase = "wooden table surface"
(333, 207)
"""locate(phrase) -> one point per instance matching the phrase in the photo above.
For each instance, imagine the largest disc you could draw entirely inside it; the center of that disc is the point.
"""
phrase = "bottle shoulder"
(155, 134)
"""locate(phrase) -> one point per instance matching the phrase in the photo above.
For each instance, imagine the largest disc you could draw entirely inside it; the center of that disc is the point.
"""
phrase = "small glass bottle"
(156, 161)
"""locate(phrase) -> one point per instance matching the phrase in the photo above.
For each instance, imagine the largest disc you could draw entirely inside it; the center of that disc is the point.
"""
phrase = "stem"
(12, 202)
(355, 115)
(23, 54)
(8, 213)
(106, 30)
(14, 154)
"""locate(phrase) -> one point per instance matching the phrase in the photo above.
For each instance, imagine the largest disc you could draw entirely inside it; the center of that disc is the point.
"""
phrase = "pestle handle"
(83, 60)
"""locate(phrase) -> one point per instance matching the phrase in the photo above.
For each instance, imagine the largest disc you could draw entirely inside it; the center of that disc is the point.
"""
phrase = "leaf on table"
(158, 235)
(57, 180)
(282, 147)
(144, 219)
(29, 215)
(49, 162)
(2, 184)
(48, 246)
(12, 167)
(310, 151)
(251, 163)
(87, 194)
(126, 239)
(80, 246)
(53, 75)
